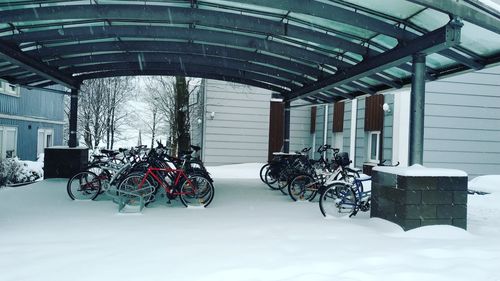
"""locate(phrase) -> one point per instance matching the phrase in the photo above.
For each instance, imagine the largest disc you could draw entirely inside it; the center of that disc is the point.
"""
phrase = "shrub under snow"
(15, 171)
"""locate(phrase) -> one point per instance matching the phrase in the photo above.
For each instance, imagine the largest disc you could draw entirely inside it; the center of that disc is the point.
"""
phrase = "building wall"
(32, 110)
(360, 155)
(347, 128)
(388, 129)
(300, 136)
(462, 123)
(238, 132)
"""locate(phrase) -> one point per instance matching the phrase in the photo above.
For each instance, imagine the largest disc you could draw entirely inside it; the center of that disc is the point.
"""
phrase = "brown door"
(276, 118)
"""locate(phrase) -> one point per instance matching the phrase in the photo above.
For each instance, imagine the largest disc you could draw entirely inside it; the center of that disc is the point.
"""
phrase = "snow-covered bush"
(14, 171)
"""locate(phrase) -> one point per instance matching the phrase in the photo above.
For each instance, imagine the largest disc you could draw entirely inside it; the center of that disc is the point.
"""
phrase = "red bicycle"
(194, 190)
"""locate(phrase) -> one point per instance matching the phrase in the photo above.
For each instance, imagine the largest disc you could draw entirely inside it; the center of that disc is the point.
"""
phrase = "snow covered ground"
(248, 233)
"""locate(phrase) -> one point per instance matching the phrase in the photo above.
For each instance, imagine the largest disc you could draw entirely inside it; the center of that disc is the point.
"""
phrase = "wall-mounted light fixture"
(386, 108)
(212, 115)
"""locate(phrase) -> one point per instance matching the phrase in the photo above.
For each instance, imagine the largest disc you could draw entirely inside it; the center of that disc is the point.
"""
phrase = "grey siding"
(238, 133)
(462, 123)
(320, 113)
(388, 128)
(361, 135)
(300, 136)
(347, 127)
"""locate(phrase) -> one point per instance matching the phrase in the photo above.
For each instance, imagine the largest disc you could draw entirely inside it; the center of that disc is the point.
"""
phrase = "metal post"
(325, 128)
(417, 110)
(286, 128)
(73, 113)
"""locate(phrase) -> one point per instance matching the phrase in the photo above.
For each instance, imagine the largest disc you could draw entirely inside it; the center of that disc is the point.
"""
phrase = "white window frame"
(3, 136)
(377, 148)
(45, 132)
(6, 89)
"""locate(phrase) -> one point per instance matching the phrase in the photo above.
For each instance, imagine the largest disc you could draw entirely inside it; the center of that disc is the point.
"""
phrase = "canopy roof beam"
(437, 40)
(19, 58)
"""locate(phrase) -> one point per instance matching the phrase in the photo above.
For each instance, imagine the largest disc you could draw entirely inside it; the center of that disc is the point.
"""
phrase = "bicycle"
(341, 198)
(193, 190)
(88, 184)
(305, 186)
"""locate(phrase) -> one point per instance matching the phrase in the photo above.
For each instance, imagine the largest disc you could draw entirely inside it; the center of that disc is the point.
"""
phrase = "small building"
(462, 124)
(30, 120)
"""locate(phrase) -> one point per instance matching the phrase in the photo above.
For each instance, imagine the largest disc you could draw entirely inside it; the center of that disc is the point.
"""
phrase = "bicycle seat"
(122, 149)
(109, 152)
(98, 156)
(186, 156)
(195, 148)
(186, 152)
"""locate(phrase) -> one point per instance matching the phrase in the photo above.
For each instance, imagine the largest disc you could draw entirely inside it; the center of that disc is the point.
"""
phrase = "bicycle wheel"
(132, 183)
(198, 191)
(102, 174)
(84, 186)
(303, 188)
(337, 200)
(263, 172)
(283, 181)
(270, 180)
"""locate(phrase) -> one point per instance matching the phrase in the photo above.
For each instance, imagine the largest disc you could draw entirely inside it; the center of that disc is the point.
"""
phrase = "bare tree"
(172, 96)
(150, 116)
(119, 90)
(101, 109)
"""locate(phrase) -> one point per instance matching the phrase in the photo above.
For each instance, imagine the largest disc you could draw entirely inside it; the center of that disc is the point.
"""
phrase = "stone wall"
(414, 201)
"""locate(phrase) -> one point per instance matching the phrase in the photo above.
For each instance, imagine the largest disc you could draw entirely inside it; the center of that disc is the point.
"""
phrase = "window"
(45, 139)
(8, 142)
(9, 89)
(373, 146)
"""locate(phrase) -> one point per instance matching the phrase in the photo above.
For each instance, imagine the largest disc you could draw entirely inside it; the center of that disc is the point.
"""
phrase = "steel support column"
(73, 113)
(417, 110)
(286, 128)
(325, 128)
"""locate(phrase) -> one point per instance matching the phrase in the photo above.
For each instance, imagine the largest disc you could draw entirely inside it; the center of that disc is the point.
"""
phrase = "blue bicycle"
(342, 198)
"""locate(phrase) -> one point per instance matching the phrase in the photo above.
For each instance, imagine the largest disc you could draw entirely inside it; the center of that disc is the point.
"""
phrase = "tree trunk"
(112, 128)
(153, 129)
(87, 136)
(182, 112)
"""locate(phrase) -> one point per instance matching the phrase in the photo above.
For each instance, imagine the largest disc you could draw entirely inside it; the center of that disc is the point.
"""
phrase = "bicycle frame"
(168, 188)
(359, 194)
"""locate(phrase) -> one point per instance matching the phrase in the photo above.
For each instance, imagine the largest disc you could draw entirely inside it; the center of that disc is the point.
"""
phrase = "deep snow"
(248, 233)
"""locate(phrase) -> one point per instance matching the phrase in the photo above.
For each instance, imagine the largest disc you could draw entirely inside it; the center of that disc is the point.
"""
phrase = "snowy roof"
(319, 51)
(421, 171)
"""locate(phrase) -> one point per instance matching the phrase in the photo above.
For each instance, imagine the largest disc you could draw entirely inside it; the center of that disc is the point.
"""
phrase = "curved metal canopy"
(318, 50)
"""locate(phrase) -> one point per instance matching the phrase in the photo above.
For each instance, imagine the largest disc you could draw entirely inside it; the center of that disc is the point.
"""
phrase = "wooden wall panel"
(276, 118)
(313, 119)
(338, 117)
(374, 114)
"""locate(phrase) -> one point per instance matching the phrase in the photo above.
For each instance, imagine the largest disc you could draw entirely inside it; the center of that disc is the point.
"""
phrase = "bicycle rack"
(130, 201)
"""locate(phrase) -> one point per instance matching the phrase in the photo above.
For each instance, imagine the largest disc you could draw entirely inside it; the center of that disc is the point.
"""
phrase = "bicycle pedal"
(169, 202)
